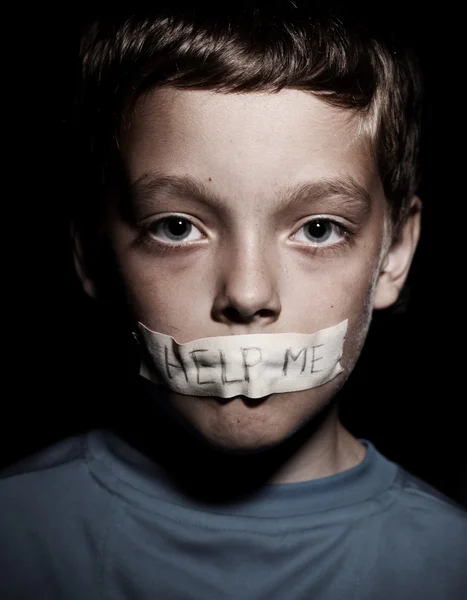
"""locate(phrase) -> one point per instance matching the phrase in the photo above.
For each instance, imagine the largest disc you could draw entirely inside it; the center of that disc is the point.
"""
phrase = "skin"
(247, 265)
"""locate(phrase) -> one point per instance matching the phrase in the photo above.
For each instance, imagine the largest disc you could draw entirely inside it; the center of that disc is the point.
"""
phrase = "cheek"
(358, 298)
(337, 288)
(166, 295)
(344, 290)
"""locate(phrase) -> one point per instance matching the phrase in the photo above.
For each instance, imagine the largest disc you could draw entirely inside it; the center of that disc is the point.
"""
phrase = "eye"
(320, 232)
(174, 229)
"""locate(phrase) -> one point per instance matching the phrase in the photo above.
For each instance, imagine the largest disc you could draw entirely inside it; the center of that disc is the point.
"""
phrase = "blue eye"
(174, 229)
(320, 232)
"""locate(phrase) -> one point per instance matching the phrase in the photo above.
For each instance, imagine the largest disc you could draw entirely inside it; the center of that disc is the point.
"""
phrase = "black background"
(409, 384)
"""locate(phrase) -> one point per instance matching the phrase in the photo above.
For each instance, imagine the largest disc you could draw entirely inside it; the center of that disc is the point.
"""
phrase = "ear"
(87, 282)
(396, 264)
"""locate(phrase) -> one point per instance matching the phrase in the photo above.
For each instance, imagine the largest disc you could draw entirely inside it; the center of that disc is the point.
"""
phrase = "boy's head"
(251, 171)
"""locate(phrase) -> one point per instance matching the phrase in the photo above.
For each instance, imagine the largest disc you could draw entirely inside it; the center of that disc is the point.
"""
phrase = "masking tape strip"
(252, 365)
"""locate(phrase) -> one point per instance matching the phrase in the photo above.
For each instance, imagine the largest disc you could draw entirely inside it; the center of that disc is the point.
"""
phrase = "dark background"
(408, 388)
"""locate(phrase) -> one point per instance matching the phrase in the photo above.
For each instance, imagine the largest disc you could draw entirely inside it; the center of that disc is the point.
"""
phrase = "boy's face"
(253, 213)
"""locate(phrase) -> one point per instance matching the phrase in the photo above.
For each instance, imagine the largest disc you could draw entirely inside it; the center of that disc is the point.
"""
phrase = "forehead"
(249, 144)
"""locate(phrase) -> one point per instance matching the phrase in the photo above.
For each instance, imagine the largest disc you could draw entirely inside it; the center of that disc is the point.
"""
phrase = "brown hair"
(341, 55)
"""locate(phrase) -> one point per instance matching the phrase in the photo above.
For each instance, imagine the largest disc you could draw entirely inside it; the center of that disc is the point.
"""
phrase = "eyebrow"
(154, 185)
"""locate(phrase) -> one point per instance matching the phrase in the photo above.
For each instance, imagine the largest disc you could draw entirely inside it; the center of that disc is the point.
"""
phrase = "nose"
(247, 288)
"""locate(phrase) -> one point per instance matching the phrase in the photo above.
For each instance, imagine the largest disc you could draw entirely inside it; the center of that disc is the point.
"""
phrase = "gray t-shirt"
(92, 518)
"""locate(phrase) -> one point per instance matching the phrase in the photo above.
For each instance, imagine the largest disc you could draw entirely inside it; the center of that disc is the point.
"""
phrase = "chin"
(245, 426)
(244, 442)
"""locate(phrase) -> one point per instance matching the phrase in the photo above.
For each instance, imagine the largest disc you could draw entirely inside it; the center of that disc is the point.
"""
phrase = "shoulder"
(56, 478)
(55, 470)
(47, 490)
(411, 539)
(60, 453)
(419, 500)
(54, 519)
(404, 504)
(424, 535)
(423, 516)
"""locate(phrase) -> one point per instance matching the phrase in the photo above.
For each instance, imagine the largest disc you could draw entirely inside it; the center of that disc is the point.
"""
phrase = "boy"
(249, 201)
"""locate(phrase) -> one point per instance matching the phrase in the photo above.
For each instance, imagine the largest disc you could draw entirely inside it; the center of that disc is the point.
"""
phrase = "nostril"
(233, 315)
(264, 313)
(236, 316)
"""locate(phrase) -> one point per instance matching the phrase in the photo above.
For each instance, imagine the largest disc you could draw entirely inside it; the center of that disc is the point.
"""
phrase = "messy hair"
(339, 55)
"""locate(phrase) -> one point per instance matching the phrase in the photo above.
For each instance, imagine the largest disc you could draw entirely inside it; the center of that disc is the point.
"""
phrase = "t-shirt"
(94, 518)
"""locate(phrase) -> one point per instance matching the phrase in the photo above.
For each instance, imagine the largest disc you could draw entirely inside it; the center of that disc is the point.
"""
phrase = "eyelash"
(148, 241)
(348, 237)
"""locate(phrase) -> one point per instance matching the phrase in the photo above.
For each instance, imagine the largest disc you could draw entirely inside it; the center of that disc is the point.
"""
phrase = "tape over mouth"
(251, 365)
